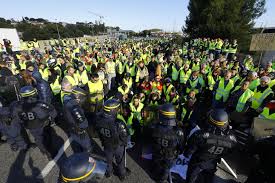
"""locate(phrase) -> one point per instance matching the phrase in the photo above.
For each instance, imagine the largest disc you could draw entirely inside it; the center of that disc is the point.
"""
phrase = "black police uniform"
(113, 134)
(207, 146)
(168, 143)
(34, 117)
(77, 123)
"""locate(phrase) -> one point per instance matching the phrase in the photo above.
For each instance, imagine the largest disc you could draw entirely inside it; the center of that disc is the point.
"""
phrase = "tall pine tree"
(232, 19)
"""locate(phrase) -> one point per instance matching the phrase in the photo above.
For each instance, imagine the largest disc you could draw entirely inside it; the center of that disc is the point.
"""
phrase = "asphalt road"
(24, 167)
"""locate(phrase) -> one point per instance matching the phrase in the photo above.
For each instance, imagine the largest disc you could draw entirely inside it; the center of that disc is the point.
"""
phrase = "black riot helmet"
(167, 114)
(218, 118)
(28, 94)
(111, 106)
(81, 168)
(80, 95)
(52, 63)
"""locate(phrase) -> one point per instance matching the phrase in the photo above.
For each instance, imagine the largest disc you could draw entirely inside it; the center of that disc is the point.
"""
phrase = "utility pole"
(57, 29)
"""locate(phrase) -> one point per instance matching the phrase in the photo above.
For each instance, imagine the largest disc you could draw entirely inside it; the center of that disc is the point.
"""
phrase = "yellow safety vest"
(167, 91)
(55, 86)
(44, 73)
(96, 91)
(83, 77)
(259, 97)
(129, 82)
(223, 91)
(123, 92)
(184, 76)
(136, 111)
(265, 114)
(72, 80)
(243, 99)
(111, 68)
(22, 65)
(193, 86)
(175, 73)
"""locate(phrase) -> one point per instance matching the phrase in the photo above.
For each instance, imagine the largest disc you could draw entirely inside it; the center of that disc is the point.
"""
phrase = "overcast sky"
(136, 15)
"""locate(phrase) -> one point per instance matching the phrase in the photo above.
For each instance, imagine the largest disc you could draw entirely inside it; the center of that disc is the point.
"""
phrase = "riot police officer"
(11, 130)
(208, 145)
(77, 122)
(80, 168)
(34, 115)
(168, 141)
(113, 134)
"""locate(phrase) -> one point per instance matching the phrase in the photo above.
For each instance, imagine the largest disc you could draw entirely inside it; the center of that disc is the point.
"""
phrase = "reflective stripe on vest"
(223, 91)
(123, 92)
(259, 97)
(243, 99)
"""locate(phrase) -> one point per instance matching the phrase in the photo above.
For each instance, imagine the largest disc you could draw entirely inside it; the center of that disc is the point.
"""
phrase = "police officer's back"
(75, 118)
(113, 135)
(208, 145)
(168, 141)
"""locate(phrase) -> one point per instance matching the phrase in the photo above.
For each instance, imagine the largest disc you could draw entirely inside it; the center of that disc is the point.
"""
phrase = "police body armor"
(35, 115)
(213, 146)
(166, 142)
(75, 115)
(112, 131)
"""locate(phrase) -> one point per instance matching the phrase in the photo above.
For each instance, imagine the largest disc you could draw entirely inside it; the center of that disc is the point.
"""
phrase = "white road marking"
(52, 163)
(229, 168)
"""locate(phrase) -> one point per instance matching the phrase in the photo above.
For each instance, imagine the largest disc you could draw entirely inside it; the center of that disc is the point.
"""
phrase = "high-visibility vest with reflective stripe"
(166, 90)
(96, 91)
(175, 73)
(173, 100)
(265, 114)
(235, 78)
(82, 77)
(223, 91)
(233, 48)
(121, 67)
(72, 80)
(136, 111)
(44, 73)
(22, 65)
(128, 123)
(243, 99)
(184, 76)
(193, 85)
(259, 97)
(131, 70)
(129, 82)
(123, 92)
(211, 82)
(272, 83)
(111, 68)
(253, 85)
(55, 86)
(183, 114)
(196, 66)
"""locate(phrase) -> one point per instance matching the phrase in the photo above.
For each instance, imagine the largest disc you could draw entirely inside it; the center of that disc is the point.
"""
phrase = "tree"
(232, 19)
